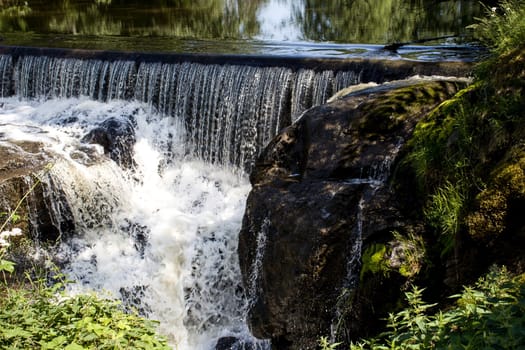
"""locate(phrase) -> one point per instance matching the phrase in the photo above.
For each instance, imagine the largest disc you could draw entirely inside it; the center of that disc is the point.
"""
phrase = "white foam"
(163, 236)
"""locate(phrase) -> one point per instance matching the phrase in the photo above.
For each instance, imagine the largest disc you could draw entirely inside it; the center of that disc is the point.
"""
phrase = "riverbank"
(465, 173)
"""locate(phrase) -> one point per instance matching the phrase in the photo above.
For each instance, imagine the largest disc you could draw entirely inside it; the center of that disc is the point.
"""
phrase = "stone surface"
(117, 137)
(20, 162)
(234, 343)
(320, 190)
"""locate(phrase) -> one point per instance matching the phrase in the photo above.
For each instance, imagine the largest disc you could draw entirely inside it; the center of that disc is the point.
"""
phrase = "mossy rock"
(430, 141)
(507, 73)
(505, 194)
(510, 175)
(397, 105)
(374, 260)
(403, 254)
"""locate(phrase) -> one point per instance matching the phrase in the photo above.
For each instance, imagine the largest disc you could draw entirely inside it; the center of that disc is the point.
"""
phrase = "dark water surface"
(288, 27)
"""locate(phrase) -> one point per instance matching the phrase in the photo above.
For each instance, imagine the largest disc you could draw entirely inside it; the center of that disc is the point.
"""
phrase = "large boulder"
(321, 197)
(21, 162)
(117, 137)
(29, 200)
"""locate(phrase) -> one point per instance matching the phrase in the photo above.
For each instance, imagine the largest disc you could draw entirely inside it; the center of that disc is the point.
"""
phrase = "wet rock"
(20, 157)
(26, 188)
(234, 343)
(139, 233)
(117, 137)
(320, 192)
(226, 343)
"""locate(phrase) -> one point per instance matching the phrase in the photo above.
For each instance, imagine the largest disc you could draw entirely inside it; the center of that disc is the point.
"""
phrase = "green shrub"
(503, 28)
(490, 315)
(38, 316)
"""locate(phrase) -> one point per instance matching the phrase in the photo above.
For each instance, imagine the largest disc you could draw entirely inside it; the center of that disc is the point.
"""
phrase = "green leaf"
(15, 218)
(16, 332)
(420, 324)
(90, 337)
(34, 318)
(123, 325)
(55, 343)
(7, 266)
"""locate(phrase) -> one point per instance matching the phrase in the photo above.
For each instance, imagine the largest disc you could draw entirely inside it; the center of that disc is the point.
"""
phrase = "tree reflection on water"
(336, 21)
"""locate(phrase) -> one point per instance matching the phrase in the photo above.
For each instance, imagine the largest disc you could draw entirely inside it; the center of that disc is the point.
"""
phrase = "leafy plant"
(490, 315)
(324, 344)
(37, 315)
(41, 316)
(5, 264)
(503, 27)
(444, 212)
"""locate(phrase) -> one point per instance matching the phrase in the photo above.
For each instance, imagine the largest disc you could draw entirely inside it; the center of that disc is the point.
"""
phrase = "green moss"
(456, 155)
(510, 177)
(401, 103)
(488, 221)
(374, 260)
(505, 191)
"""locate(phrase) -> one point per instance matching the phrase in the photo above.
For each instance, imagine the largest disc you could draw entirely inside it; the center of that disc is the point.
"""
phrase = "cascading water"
(373, 178)
(377, 177)
(6, 63)
(230, 112)
(161, 237)
(161, 234)
(255, 273)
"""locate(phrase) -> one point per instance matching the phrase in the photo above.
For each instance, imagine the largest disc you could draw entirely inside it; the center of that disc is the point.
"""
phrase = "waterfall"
(256, 267)
(6, 67)
(162, 237)
(160, 234)
(374, 178)
(229, 112)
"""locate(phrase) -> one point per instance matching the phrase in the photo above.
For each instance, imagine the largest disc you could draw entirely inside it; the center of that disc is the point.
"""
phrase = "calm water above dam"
(286, 27)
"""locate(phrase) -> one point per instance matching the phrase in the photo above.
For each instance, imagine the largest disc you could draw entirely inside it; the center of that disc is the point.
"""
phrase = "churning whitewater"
(154, 219)
(160, 234)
